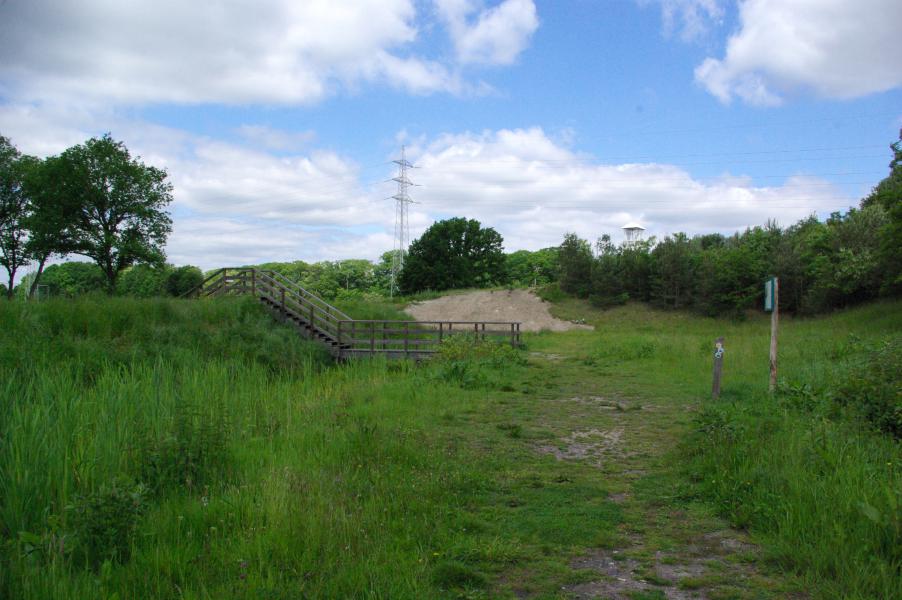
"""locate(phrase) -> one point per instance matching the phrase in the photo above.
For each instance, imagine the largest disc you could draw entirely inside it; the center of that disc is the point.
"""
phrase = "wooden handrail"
(316, 317)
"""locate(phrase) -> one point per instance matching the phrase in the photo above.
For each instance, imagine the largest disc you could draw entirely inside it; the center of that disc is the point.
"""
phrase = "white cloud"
(534, 190)
(492, 36)
(690, 19)
(234, 52)
(835, 48)
(276, 139)
(236, 204)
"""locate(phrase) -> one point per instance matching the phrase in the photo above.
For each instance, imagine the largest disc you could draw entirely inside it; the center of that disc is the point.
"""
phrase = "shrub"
(551, 293)
(192, 455)
(873, 387)
(142, 281)
(472, 363)
(182, 280)
(103, 522)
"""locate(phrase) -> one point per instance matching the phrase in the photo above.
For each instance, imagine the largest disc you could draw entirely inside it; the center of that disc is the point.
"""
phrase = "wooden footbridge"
(345, 337)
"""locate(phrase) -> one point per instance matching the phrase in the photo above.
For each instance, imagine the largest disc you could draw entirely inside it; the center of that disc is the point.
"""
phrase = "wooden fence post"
(718, 367)
(283, 304)
(774, 321)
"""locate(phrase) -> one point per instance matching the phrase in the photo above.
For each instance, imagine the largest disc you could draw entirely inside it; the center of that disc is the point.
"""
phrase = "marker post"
(772, 304)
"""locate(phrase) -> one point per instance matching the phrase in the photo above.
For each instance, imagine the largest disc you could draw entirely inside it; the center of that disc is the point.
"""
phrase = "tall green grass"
(171, 449)
(809, 470)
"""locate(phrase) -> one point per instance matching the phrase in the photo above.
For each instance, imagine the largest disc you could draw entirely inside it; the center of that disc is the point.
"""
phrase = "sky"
(278, 120)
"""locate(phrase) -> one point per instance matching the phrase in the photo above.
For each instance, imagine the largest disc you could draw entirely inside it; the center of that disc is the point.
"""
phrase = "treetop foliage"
(94, 199)
(847, 259)
(454, 253)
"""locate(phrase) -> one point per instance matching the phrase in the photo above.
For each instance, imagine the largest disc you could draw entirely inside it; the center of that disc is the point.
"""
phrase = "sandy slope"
(504, 305)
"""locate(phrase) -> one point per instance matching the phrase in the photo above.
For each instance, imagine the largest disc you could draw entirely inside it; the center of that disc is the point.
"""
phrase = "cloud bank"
(837, 49)
(243, 51)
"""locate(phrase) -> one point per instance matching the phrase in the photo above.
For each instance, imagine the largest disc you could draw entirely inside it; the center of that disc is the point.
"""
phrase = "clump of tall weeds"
(474, 363)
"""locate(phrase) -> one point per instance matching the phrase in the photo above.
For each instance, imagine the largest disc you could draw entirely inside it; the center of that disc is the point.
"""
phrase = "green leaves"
(455, 253)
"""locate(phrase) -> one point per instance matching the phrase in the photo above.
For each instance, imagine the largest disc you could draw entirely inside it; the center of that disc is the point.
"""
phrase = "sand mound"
(505, 305)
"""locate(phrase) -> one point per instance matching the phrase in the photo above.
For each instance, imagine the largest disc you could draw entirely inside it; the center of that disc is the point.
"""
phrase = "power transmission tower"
(402, 225)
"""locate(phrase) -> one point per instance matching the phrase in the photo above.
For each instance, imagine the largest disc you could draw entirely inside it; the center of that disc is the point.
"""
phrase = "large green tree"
(116, 205)
(575, 260)
(15, 207)
(50, 218)
(455, 253)
(888, 195)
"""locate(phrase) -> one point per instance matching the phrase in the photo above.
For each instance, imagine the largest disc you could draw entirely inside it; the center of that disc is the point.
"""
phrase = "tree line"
(93, 200)
(822, 265)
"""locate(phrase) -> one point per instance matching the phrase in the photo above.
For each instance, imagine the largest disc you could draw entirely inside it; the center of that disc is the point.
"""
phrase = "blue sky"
(277, 120)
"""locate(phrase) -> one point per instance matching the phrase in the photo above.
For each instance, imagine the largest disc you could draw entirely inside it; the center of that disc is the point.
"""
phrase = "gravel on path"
(492, 305)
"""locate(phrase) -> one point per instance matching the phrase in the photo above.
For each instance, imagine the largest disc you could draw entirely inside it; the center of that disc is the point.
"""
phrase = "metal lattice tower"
(402, 225)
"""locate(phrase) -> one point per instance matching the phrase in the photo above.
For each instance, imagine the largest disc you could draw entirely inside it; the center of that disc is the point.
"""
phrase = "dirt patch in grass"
(587, 444)
(493, 305)
(622, 578)
(602, 403)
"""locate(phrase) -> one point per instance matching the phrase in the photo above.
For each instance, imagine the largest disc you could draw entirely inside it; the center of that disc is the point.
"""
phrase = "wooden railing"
(414, 338)
(346, 337)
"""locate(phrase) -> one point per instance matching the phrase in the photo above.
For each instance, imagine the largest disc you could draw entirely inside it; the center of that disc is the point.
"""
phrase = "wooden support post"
(353, 334)
(339, 334)
(774, 322)
(254, 282)
(718, 367)
(440, 327)
(406, 338)
(283, 304)
(384, 336)
(373, 337)
(513, 342)
(483, 332)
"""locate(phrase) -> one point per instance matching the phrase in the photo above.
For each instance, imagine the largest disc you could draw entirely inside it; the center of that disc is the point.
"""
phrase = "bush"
(192, 455)
(473, 364)
(73, 279)
(142, 281)
(182, 280)
(873, 387)
(103, 522)
(551, 293)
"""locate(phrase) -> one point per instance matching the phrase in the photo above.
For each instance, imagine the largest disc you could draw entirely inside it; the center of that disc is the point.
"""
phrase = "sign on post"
(770, 287)
(772, 305)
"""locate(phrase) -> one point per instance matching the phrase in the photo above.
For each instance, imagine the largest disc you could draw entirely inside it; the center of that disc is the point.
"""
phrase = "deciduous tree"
(14, 210)
(117, 205)
(455, 253)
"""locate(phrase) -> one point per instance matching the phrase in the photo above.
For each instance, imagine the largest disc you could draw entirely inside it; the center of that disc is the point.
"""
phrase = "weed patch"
(103, 523)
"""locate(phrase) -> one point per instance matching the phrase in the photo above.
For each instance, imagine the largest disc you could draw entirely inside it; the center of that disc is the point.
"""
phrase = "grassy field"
(176, 449)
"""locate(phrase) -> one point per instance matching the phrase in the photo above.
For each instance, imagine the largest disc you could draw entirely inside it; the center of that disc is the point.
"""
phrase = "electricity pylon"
(402, 224)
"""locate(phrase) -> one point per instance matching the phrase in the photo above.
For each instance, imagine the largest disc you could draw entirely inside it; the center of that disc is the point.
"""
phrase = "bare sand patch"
(492, 305)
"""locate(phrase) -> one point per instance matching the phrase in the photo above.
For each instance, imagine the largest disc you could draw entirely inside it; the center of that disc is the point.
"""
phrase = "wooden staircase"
(316, 319)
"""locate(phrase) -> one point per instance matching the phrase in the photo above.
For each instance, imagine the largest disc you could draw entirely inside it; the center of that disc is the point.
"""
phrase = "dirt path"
(494, 305)
(667, 546)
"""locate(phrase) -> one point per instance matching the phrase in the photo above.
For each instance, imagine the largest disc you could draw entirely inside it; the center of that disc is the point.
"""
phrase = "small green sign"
(769, 294)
